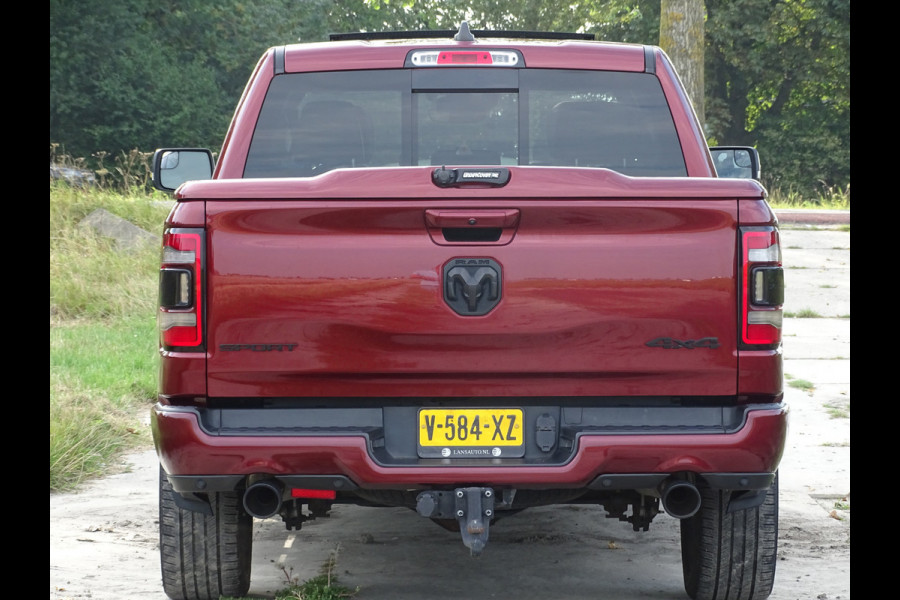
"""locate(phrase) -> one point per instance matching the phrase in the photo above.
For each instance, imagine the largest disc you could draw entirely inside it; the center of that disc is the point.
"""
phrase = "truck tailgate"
(605, 296)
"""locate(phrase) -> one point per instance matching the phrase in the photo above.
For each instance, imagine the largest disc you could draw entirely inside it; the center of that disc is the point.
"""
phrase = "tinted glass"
(464, 128)
(619, 121)
(314, 122)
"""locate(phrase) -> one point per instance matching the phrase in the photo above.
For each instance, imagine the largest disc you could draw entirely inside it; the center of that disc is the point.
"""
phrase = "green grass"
(103, 349)
(89, 277)
(827, 198)
(800, 384)
(321, 587)
(838, 410)
(116, 358)
(324, 586)
(805, 313)
(102, 382)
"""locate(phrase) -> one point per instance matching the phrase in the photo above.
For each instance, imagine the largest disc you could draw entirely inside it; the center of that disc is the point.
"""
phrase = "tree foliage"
(778, 78)
(114, 84)
(128, 74)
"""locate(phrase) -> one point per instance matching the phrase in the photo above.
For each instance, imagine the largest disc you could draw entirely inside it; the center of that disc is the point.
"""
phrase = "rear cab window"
(311, 123)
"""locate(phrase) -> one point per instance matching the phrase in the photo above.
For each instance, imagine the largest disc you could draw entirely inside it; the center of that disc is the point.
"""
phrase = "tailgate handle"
(472, 226)
(472, 218)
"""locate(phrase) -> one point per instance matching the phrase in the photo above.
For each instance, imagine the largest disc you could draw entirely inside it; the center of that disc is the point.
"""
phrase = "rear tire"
(204, 556)
(730, 556)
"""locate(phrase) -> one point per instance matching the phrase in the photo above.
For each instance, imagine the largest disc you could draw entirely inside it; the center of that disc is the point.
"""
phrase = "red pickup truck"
(468, 273)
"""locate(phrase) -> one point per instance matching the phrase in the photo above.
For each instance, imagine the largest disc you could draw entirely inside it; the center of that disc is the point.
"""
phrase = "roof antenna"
(464, 35)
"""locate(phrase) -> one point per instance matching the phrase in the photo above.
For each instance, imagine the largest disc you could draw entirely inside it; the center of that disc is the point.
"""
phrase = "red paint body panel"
(185, 449)
(182, 374)
(761, 373)
(356, 289)
(187, 214)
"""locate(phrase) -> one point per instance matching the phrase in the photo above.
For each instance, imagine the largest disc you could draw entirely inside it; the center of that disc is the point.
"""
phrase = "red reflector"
(762, 334)
(317, 494)
(465, 58)
(181, 336)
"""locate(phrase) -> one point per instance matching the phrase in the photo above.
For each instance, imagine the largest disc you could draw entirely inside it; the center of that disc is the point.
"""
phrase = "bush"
(127, 173)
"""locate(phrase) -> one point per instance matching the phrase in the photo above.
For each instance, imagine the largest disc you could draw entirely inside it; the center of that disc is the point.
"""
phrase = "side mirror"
(174, 166)
(736, 162)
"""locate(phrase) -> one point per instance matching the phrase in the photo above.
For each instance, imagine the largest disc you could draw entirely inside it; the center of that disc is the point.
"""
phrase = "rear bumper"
(346, 458)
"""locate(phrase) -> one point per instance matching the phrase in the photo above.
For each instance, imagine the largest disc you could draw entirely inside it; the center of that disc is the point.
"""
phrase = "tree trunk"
(681, 36)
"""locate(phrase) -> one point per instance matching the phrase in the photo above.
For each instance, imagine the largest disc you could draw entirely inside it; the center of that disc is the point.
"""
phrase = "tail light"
(180, 316)
(762, 286)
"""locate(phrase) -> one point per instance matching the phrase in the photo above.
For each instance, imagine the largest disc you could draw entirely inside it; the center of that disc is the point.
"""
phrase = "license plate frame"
(484, 433)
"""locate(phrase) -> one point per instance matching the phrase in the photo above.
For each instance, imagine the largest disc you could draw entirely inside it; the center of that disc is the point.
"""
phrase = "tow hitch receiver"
(472, 507)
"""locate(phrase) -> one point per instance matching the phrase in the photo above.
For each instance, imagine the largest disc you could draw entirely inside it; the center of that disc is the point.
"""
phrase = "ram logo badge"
(472, 286)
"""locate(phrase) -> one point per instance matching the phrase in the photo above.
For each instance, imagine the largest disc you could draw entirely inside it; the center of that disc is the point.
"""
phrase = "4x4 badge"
(472, 286)
(671, 344)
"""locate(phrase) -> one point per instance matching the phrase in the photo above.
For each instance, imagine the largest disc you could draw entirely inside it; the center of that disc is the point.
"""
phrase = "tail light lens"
(762, 286)
(180, 316)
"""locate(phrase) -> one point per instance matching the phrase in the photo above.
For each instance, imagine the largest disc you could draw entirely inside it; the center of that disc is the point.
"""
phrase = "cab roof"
(391, 50)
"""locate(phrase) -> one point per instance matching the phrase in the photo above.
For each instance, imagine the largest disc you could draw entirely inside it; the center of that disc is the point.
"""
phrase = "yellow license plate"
(471, 433)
